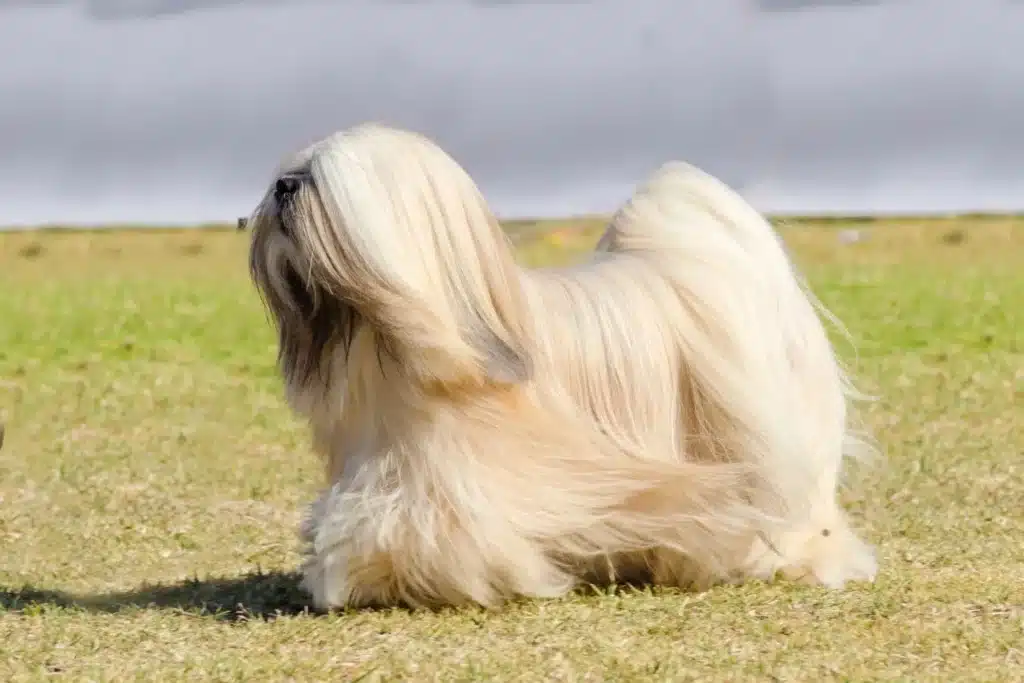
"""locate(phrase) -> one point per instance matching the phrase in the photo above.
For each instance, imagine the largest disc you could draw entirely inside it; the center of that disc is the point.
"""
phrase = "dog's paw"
(325, 568)
(324, 578)
(849, 559)
(830, 556)
(834, 559)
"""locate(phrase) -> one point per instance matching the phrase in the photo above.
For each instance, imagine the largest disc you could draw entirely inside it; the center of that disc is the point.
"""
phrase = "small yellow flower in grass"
(558, 238)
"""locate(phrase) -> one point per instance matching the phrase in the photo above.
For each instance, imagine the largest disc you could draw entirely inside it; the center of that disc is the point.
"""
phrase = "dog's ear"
(494, 321)
(400, 232)
(432, 350)
(503, 362)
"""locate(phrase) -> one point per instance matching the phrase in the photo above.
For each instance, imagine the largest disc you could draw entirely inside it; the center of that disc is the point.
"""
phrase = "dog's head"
(375, 238)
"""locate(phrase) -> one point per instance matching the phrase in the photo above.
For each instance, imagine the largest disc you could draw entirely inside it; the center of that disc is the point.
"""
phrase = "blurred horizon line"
(810, 217)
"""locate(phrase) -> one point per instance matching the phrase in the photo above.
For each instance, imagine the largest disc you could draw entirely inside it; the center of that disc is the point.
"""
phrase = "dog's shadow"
(255, 596)
(259, 595)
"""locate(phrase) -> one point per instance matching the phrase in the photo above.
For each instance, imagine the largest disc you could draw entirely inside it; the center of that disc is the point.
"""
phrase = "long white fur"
(670, 410)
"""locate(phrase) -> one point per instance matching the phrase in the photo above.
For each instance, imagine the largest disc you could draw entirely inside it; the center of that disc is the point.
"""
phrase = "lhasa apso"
(671, 410)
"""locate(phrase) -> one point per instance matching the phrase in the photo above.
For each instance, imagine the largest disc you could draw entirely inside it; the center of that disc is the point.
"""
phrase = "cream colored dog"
(671, 410)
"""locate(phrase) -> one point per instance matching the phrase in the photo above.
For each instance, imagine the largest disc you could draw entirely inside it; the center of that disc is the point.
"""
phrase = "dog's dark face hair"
(312, 323)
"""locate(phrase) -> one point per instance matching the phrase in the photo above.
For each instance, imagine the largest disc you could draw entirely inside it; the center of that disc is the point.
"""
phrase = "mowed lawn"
(151, 481)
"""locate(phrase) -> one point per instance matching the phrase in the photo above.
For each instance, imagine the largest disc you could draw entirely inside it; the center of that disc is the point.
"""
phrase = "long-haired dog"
(671, 411)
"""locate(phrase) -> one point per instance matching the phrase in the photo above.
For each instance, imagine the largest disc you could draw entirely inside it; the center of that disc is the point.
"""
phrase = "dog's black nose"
(285, 187)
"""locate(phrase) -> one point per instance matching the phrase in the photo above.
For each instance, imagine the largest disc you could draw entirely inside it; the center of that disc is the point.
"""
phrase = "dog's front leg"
(387, 547)
(324, 571)
(350, 554)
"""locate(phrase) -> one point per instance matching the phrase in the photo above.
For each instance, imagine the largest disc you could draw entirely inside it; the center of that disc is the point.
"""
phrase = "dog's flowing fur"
(671, 410)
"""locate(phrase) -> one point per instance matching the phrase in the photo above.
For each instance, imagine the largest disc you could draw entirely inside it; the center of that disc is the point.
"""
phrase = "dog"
(670, 411)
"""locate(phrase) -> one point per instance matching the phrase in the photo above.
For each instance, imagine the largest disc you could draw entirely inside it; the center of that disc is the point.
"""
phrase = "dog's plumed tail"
(766, 386)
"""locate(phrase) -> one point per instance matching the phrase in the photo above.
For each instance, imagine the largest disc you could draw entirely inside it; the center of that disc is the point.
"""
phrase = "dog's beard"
(320, 327)
(313, 325)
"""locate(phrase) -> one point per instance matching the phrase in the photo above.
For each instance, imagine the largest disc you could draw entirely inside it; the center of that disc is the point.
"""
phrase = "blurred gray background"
(177, 111)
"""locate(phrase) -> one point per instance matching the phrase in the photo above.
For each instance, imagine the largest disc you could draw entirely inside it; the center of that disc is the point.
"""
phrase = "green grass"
(151, 481)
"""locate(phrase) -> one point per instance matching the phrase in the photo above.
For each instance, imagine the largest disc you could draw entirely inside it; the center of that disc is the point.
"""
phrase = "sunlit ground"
(151, 481)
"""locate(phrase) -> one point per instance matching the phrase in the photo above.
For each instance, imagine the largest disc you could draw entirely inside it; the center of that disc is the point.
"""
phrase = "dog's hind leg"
(825, 552)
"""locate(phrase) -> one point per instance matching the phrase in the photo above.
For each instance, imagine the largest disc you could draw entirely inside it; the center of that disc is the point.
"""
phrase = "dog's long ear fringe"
(424, 348)
(502, 363)
(397, 229)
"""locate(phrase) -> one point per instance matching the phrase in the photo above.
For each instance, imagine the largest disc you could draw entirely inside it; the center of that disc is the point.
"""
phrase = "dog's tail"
(765, 383)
